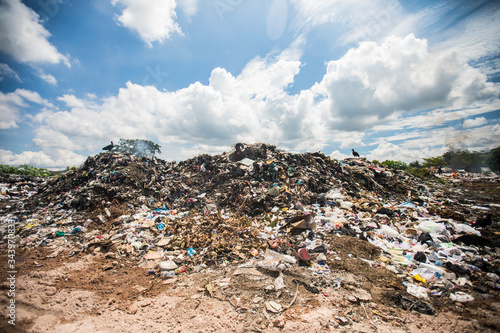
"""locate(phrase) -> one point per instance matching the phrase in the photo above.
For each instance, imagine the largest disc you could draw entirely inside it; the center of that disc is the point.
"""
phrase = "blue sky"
(393, 80)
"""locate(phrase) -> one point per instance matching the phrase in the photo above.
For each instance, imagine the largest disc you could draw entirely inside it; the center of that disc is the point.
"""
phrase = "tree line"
(456, 159)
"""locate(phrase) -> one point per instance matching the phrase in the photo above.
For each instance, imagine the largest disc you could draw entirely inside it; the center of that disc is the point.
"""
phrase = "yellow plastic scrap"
(419, 278)
(210, 289)
(28, 226)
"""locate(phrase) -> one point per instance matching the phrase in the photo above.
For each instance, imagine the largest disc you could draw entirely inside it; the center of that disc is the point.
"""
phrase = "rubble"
(287, 223)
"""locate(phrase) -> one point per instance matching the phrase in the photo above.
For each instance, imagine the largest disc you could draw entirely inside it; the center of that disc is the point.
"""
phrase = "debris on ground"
(265, 231)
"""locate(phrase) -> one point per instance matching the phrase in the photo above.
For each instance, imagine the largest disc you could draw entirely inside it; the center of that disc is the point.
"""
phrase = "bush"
(464, 159)
(421, 173)
(397, 165)
(24, 170)
(434, 162)
(494, 159)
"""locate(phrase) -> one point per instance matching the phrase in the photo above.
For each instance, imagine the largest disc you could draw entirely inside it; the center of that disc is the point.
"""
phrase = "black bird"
(355, 154)
(483, 222)
(109, 147)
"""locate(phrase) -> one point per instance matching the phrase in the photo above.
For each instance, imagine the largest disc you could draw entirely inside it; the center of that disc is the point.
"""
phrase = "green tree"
(464, 159)
(414, 164)
(434, 162)
(138, 147)
(25, 170)
(493, 159)
(397, 165)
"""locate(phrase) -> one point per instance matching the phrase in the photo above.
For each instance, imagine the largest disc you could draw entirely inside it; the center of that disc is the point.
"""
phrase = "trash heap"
(261, 209)
(251, 180)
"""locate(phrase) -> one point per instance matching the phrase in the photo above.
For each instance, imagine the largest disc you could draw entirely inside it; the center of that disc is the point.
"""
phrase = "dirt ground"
(94, 292)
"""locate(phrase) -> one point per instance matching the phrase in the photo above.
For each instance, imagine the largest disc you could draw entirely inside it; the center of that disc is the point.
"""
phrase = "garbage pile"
(252, 179)
(263, 211)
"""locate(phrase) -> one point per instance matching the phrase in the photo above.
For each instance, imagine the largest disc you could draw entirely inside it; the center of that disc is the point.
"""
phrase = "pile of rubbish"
(251, 180)
(264, 211)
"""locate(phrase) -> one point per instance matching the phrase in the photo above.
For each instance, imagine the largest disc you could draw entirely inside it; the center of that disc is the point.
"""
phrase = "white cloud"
(32, 96)
(12, 103)
(435, 142)
(23, 37)
(390, 151)
(338, 155)
(56, 159)
(72, 101)
(6, 71)
(348, 139)
(227, 110)
(50, 79)
(474, 28)
(383, 81)
(153, 20)
(362, 20)
(371, 83)
(479, 121)
(437, 117)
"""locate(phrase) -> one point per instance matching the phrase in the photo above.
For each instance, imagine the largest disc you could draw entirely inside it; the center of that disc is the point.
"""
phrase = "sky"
(394, 80)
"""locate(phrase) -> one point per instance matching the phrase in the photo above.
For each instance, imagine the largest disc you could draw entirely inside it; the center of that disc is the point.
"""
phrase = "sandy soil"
(98, 293)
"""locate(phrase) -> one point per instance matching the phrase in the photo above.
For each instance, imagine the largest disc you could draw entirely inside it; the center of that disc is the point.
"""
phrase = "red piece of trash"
(304, 255)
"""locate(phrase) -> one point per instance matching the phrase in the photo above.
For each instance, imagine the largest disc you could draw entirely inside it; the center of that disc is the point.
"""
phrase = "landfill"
(287, 241)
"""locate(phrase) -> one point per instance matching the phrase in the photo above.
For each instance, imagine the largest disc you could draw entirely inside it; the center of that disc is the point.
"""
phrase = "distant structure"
(109, 147)
(355, 154)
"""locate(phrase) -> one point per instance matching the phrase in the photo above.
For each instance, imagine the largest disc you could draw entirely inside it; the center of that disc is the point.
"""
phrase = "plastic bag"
(388, 231)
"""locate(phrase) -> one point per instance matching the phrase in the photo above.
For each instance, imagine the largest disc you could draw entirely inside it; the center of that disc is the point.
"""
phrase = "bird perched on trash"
(109, 147)
(354, 153)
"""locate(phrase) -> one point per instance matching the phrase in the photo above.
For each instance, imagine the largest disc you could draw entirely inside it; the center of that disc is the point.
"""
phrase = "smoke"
(141, 149)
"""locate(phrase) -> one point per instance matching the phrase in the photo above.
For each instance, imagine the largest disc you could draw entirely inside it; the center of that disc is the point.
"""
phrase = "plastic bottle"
(461, 297)
(270, 254)
(433, 268)
(493, 276)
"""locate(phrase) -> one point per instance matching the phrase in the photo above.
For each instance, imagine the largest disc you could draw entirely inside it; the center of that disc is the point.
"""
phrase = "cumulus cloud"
(390, 151)
(479, 121)
(56, 159)
(372, 82)
(72, 101)
(50, 79)
(153, 20)
(11, 105)
(23, 37)
(229, 109)
(32, 96)
(337, 155)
